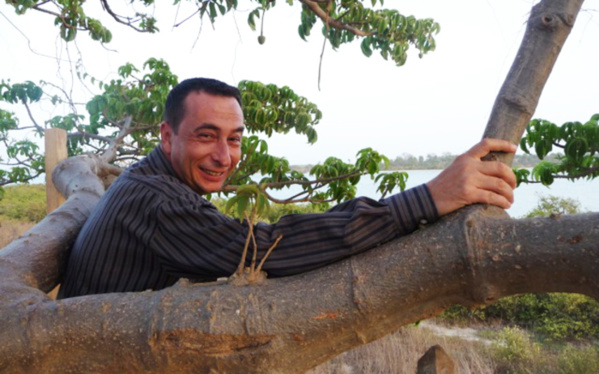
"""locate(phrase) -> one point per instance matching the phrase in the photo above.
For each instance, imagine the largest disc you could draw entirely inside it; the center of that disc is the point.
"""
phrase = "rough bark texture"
(548, 28)
(287, 325)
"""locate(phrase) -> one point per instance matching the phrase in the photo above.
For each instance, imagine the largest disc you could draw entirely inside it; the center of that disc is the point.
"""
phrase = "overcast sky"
(436, 104)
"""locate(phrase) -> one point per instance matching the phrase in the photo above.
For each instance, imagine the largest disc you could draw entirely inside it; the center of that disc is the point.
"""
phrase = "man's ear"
(166, 134)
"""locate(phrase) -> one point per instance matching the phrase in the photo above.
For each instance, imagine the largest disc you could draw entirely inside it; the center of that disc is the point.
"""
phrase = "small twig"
(324, 43)
(119, 18)
(188, 18)
(272, 247)
(31, 117)
(255, 254)
(245, 251)
(5, 181)
(302, 183)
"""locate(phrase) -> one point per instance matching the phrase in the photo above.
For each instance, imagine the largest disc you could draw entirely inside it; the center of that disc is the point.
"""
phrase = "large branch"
(548, 28)
(288, 324)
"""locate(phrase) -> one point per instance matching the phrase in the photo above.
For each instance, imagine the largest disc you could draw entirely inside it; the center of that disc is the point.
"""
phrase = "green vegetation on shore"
(24, 202)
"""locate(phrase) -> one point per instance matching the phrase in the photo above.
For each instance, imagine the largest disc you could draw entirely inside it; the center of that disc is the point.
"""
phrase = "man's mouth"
(212, 173)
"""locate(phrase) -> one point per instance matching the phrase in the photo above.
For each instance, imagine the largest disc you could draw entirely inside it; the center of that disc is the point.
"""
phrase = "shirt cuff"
(412, 208)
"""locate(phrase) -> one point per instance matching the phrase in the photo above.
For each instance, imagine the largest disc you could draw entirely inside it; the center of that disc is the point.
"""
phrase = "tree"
(472, 257)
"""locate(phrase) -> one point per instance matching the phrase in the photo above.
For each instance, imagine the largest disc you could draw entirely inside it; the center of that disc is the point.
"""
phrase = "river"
(526, 197)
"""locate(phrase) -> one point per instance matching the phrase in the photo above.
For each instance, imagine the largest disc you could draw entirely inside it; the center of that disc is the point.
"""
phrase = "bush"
(25, 202)
(549, 205)
(515, 351)
(573, 360)
(554, 316)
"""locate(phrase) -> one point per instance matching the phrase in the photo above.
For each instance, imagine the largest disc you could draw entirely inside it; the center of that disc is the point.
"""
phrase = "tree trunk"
(291, 324)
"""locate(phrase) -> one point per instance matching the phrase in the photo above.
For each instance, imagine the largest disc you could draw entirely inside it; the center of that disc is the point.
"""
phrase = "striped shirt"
(150, 229)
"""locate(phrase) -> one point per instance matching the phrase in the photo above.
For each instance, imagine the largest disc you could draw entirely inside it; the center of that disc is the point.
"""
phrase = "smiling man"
(205, 147)
(153, 225)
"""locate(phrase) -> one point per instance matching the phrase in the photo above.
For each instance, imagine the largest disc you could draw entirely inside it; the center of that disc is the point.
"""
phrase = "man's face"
(207, 146)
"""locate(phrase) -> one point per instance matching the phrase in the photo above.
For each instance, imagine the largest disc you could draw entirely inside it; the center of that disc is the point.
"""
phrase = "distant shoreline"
(434, 162)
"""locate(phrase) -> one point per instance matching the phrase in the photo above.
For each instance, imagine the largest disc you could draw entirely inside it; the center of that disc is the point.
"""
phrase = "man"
(153, 226)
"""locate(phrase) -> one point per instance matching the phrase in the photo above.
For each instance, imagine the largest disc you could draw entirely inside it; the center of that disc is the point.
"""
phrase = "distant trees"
(437, 162)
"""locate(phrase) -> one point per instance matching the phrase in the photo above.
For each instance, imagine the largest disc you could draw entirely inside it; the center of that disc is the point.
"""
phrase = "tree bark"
(548, 28)
(289, 325)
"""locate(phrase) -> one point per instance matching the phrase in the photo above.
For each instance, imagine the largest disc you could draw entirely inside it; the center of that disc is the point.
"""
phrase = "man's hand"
(469, 180)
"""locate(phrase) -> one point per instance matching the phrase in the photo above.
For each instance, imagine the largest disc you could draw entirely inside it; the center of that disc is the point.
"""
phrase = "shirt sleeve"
(194, 240)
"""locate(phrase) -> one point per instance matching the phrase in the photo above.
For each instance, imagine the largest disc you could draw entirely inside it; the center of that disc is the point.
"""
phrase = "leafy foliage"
(385, 30)
(125, 116)
(516, 351)
(578, 141)
(553, 205)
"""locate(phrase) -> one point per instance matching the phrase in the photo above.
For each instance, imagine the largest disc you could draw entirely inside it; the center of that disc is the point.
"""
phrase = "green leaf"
(576, 149)
(365, 45)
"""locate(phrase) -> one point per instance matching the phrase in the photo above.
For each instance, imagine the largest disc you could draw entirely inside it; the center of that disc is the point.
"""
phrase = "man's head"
(202, 131)
(174, 110)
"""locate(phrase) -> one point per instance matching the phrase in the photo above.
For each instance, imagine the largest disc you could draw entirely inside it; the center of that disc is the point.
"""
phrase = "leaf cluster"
(270, 109)
(69, 17)
(385, 30)
(327, 182)
(578, 141)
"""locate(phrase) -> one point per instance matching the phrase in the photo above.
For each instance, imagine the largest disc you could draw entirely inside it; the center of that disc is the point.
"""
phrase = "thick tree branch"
(280, 325)
(548, 27)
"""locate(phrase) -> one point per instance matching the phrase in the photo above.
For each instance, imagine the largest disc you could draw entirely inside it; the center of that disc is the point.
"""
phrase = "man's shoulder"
(162, 185)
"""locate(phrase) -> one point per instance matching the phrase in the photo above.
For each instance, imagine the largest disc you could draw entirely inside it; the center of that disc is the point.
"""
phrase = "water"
(526, 197)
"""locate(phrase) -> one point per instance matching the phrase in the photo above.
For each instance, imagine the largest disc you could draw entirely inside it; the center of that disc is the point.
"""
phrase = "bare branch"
(111, 152)
(31, 117)
(86, 134)
(313, 6)
(127, 21)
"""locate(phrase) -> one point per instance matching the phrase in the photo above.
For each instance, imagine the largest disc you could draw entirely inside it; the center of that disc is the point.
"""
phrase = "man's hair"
(174, 110)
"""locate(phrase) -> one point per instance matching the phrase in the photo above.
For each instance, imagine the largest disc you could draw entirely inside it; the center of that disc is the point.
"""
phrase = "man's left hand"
(469, 180)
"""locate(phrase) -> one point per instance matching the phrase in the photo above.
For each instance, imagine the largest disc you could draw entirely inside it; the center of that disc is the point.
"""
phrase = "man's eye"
(235, 139)
(205, 136)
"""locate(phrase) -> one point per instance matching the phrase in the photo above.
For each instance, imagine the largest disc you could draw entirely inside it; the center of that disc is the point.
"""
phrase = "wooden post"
(56, 151)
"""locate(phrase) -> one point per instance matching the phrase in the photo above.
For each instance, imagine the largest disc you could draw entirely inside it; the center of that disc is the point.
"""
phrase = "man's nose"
(222, 154)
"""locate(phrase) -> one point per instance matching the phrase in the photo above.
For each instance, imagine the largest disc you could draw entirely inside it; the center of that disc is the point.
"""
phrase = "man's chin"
(204, 190)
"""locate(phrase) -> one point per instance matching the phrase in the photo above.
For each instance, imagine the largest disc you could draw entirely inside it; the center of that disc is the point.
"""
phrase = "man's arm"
(469, 180)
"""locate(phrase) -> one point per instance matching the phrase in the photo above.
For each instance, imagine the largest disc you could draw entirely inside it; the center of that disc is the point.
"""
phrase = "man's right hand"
(469, 180)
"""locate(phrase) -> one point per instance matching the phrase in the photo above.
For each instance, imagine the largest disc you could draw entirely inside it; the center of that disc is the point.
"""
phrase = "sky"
(434, 105)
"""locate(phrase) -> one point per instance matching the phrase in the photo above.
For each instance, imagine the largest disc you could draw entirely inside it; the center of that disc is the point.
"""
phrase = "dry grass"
(12, 229)
(400, 351)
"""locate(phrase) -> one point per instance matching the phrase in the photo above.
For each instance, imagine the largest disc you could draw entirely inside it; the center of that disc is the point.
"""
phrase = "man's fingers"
(499, 170)
(490, 197)
(487, 145)
(492, 188)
